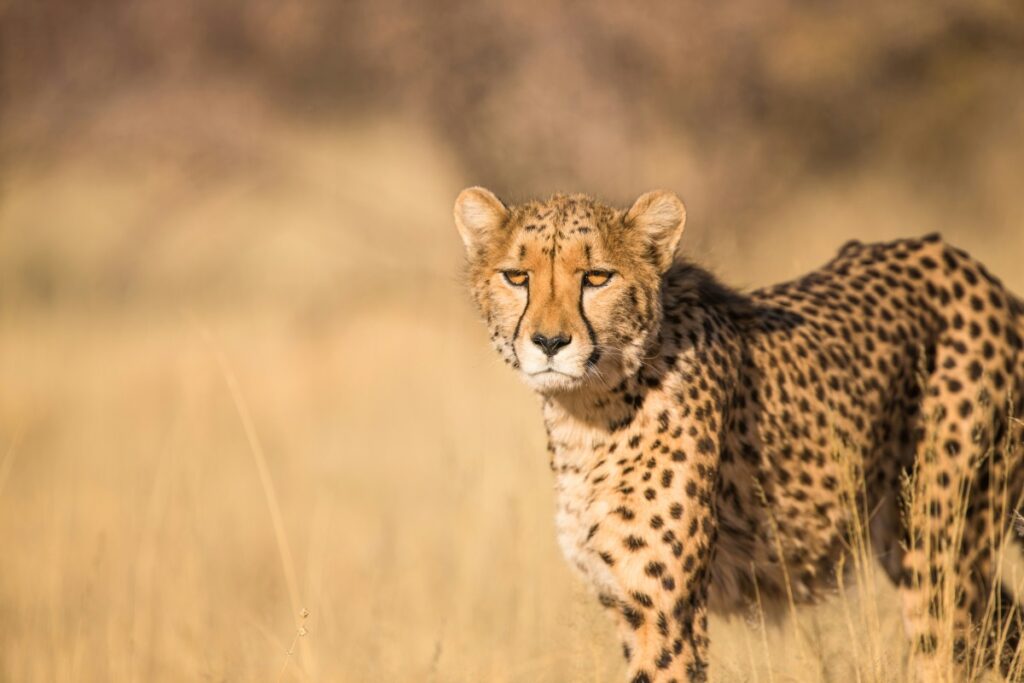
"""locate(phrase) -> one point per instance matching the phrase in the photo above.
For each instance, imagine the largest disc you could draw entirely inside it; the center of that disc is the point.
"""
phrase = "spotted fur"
(702, 440)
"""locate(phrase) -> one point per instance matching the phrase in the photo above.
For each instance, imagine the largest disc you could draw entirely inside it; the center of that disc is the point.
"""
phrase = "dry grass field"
(250, 428)
(277, 398)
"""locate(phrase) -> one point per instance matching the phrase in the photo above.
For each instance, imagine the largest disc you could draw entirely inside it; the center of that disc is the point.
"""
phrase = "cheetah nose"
(551, 345)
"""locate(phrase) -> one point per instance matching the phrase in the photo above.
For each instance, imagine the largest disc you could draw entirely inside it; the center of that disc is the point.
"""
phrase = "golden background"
(239, 374)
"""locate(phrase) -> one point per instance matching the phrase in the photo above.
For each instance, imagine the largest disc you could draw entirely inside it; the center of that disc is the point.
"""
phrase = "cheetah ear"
(660, 217)
(478, 216)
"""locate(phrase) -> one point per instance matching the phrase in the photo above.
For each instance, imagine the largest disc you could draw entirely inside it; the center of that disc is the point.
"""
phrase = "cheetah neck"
(582, 424)
(572, 436)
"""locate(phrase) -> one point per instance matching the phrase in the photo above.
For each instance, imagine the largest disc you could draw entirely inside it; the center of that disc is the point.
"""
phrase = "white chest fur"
(580, 507)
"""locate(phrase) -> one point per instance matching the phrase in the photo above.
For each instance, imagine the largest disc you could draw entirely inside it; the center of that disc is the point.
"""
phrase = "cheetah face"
(570, 289)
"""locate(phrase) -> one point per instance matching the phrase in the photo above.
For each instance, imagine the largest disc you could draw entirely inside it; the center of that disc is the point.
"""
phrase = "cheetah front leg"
(663, 576)
(663, 618)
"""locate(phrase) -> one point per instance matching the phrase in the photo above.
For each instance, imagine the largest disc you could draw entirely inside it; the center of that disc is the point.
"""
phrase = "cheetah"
(694, 430)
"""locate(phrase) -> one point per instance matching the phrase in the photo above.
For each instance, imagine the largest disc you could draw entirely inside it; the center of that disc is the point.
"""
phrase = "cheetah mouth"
(552, 371)
(551, 380)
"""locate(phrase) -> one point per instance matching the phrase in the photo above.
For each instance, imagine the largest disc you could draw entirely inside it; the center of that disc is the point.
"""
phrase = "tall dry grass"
(231, 393)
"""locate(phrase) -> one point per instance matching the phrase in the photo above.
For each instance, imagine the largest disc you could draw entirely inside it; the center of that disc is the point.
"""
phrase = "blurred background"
(240, 379)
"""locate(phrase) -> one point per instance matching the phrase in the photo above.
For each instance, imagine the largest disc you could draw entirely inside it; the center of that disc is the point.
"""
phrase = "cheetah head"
(569, 288)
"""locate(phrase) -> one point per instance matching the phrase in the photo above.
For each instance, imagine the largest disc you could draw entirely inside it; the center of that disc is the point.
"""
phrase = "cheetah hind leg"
(959, 615)
(996, 617)
(955, 519)
(1004, 610)
(1004, 644)
(958, 611)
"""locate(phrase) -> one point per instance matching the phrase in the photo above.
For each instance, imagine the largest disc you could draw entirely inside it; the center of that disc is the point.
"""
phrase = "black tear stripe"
(595, 355)
(515, 333)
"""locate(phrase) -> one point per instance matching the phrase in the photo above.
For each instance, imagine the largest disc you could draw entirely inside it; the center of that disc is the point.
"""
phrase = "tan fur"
(693, 430)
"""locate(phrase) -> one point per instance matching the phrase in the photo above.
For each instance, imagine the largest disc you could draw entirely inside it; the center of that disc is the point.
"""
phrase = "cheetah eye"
(597, 278)
(516, 278)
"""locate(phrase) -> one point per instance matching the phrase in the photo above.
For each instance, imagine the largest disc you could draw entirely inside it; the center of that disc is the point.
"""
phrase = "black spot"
(655, 569)
(927, 643)
(974, 370)
(643, 599)
(634, 617)
(662, 624)
(634, 542)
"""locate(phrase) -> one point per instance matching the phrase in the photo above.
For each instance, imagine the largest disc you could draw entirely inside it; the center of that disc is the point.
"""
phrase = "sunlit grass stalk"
(848, 616)
(7, 464)
(269, 491)
(764, 626)
(852, 491)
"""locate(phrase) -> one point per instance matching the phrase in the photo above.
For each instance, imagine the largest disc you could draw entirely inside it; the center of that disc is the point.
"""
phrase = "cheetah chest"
(579, 514)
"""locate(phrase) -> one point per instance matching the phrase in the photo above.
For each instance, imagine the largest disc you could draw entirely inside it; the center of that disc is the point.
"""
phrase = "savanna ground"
(240, 379)
(304, 313)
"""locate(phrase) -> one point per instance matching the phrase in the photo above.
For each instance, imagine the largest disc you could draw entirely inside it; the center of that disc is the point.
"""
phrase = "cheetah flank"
(693, 430)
